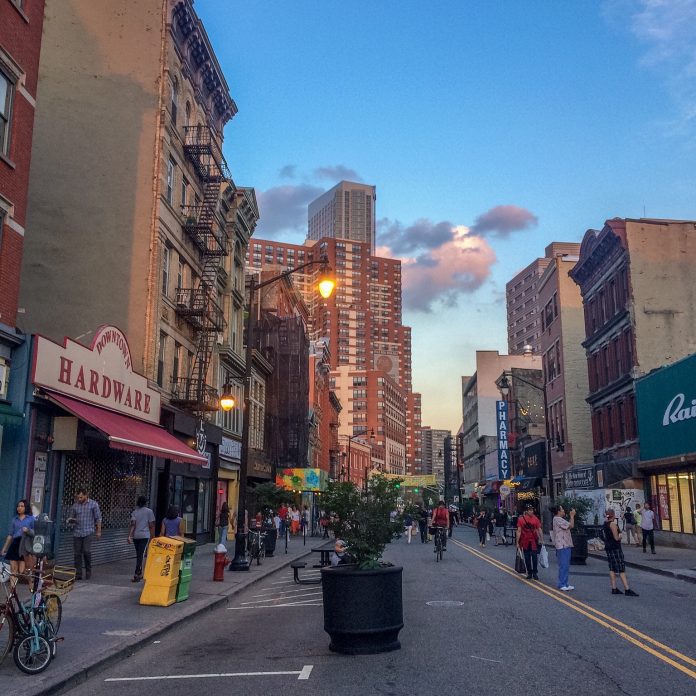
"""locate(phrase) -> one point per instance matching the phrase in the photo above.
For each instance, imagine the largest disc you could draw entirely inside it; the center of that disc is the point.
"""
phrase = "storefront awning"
(527, 483)
(126, 433)
(8, 416)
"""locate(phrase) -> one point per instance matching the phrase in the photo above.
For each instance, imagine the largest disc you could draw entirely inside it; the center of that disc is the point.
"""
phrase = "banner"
(410, 481)
(302, 479)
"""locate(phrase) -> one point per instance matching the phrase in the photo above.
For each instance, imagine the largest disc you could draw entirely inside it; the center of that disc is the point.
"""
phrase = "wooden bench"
(296, 567)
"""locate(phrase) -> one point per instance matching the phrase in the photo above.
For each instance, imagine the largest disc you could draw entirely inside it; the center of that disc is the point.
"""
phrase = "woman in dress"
(22, 524)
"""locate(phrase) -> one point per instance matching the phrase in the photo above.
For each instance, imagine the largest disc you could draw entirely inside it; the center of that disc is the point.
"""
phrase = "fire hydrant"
(221, 561)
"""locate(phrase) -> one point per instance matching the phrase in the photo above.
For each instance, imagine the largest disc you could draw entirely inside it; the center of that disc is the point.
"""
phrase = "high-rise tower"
(347, 211)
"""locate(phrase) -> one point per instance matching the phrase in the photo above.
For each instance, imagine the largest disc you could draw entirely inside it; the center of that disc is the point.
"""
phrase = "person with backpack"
(630, 525)
(440, 518)
(615, 557)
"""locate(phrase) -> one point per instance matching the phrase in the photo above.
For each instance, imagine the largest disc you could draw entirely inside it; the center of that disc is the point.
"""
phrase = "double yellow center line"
(641, 640)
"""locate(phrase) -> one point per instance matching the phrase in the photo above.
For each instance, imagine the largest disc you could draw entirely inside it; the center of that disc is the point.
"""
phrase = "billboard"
(302, 479)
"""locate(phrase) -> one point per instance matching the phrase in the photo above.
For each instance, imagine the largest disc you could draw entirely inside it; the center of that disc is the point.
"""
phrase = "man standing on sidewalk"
(85, 519)
(647, 525)
(563, 542)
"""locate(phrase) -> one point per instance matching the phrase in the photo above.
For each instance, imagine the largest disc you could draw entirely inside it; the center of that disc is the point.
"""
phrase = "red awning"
(130, 434)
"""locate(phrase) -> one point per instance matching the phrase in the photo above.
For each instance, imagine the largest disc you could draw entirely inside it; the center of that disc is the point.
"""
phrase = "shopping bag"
(488, 536)
(520, 566)
(544, 557)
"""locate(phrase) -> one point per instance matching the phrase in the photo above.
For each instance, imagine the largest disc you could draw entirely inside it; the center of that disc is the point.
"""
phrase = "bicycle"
(31, 627)
(439, 540)
(256, 548)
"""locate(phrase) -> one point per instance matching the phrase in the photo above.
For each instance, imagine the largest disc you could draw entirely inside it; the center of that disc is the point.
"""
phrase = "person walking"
(529, 541)
(630, 525)
(637, 516)
(224, 522)
(615, 557)
(647, 526)
(141, 530)
(423, 524)
(408, 526)
(482, 526)
(173, 523)
(21, 525)
(86, 522)
(563, 542)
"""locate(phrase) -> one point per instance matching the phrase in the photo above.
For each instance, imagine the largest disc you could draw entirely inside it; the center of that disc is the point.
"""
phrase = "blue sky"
(489, 127)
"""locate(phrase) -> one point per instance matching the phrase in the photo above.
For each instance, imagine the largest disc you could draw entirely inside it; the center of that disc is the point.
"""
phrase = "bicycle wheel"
(6, 633)
(54, 610)
(32, 654)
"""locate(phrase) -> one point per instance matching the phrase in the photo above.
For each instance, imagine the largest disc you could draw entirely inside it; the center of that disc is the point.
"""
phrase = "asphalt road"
(472, 625)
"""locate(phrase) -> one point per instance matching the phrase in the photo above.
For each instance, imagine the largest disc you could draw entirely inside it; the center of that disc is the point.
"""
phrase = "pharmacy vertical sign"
(501, 409)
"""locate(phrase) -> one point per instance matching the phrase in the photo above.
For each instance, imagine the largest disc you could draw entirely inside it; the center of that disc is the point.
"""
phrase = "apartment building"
(522, 300)
(20, 47)
(140, 227)
(636, 279)
(347, 211)
(434, 452)
(564, 367)
(368, 343)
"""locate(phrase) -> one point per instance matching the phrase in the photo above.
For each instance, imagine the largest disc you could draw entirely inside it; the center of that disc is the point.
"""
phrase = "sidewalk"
(103, 621)
(668, 560)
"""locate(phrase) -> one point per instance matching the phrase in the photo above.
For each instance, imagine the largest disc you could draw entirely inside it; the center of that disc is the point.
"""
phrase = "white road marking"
(284, 592)
(302, 674)
(312, 603)
(119, 633)
(476, 657)
(266, 599)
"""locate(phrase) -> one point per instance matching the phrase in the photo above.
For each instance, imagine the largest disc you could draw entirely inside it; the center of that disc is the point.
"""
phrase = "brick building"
(20, 48)
(636, 281)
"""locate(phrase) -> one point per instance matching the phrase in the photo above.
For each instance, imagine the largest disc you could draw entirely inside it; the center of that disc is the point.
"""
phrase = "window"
(171, 165)
(184, 190)
(180, 274)
(175, 100)
(160, 359)
(176, 363)
(6, 97)
(187, 115)
(166, 255)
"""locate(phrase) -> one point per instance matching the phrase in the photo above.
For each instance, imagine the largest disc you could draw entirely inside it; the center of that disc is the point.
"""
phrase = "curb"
(649, 569)
(82, 674)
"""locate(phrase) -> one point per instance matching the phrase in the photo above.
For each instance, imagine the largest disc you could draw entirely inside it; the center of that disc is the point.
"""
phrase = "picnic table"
(325, 551)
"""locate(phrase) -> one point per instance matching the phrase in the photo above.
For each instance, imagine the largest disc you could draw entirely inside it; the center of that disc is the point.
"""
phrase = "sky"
(489, 127)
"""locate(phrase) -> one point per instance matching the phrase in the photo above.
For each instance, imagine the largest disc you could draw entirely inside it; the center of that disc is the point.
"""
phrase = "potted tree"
(268, 498)
(583, 506)
(363, 609)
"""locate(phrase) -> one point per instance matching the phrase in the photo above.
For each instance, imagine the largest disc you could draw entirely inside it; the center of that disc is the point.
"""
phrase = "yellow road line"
(594, 614)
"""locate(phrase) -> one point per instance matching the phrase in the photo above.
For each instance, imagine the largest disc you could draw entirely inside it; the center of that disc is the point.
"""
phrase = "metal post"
(239, 562)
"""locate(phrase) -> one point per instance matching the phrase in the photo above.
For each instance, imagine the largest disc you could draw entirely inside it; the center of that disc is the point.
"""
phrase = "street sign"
(504, 491)
(456, 499)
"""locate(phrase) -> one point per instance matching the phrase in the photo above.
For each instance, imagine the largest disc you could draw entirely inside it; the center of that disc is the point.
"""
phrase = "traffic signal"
(415, 490)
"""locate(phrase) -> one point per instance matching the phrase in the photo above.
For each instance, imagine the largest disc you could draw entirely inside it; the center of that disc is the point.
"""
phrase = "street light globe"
(326, 287)
(227, 399)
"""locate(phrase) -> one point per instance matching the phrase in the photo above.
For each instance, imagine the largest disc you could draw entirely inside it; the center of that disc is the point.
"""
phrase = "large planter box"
(578, 555)
(363, 609)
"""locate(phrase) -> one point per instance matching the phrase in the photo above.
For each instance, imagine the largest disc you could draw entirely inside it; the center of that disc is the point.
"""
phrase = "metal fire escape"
(199, 305)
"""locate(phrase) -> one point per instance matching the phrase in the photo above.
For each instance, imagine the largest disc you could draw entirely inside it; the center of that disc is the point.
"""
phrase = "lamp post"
(504, 386)
(326, 287)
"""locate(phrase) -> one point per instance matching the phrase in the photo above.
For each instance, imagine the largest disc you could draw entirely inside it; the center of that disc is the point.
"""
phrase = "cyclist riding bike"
(440, 518)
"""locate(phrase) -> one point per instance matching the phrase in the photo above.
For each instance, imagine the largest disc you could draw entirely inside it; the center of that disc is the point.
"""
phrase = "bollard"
(221, 561)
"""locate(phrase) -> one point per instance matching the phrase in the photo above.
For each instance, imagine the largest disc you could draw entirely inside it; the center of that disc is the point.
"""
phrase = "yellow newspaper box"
(162, 571)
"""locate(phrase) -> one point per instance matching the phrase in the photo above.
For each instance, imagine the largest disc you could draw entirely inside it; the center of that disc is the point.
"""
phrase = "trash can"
(186, 568)
(162, 571)
(269, 541)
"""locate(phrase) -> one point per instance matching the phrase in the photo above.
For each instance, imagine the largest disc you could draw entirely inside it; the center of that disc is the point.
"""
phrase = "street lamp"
(326, 286)
(227, 400)
(504, 387)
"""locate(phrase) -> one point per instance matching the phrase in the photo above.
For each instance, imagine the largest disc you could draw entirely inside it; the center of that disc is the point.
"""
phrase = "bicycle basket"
(59, 580)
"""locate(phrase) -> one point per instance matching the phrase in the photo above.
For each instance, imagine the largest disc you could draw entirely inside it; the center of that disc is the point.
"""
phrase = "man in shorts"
(615, 557)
